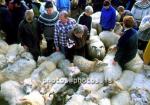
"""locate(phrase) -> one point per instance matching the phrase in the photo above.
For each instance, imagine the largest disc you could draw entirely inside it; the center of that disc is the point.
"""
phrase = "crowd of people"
(24, 21)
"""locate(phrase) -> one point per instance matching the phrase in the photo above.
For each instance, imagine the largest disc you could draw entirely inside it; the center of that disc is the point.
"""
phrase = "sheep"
(96, 21)
(104, 92)
(43, 70)
(76, 99)
(136, 64)
(11, 91)
(109, 38)
(93, 83)
(122, 98)
(68, 68)
(105, 101)
(13, 51)
(51, 79)
(20, 70)
(3, 47)
(111, 72)
(140, 97)
(88, 66)
(140, 82)
(126, 79)
(29, 85)
(34, 98)
(96, 48)
(56, 57)
(93, 32)
(3, 61)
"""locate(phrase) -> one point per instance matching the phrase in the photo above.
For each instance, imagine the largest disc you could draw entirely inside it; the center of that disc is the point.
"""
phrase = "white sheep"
(11, 91)
(92, 83)
(56, 57)
(34, 98)
(93, 32)
(51, 79)
(13, 52)
(96, 48)
(126, 79)
(20, 70)
(88, 66)
(43, 70)
(140, 97)
(104, 92)
(105, 101)
(140, 82)
(109, 38)
(3, 61)
(96, 21)
(3, 47)
(111, 72)
(76, 99)
(122, 98)
(136, 64)
(68, 68)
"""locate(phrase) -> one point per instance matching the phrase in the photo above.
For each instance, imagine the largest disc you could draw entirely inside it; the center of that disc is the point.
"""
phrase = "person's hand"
(114, 62)
(57, 48)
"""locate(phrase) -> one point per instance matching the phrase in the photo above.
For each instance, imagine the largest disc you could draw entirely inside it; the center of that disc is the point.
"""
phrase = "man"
(29, 34)
(62, 28)
(108, 16)
(47, 22)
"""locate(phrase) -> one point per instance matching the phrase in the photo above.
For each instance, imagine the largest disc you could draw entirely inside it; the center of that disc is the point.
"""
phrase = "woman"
(128, 43)
(78, 38)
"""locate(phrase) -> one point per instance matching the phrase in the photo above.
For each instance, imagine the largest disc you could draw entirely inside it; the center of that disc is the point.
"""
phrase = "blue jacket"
(108, 18)
(63, 5)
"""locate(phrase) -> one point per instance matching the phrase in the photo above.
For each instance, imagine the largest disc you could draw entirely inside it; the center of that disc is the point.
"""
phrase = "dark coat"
(85, 20)
(127, 47)
(29, 35)
(80, 46)
(6, 24)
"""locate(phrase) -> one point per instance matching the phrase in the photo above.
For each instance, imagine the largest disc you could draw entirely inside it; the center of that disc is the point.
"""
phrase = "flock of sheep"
(81, 82)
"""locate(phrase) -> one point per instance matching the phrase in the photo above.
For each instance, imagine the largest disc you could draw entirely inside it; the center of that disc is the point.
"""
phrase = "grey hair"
(64, 13)
(78, 28)
(29, 13)
(88, 9)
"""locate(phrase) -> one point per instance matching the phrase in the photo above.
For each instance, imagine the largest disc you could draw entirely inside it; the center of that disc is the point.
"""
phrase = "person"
(29, 35)
(6, 24)
(63, 5)
(63, 26)
(47, 23)
(108, 16)
(124, 13)
(18, 13)
(85, 18)
(78, 38)
(42, 7)
(128, 43)
(140, 9)
(144, 33)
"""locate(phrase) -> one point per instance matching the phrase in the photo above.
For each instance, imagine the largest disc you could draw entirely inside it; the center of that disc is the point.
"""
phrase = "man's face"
(63, 19)
(49, 10)
(29, 17)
